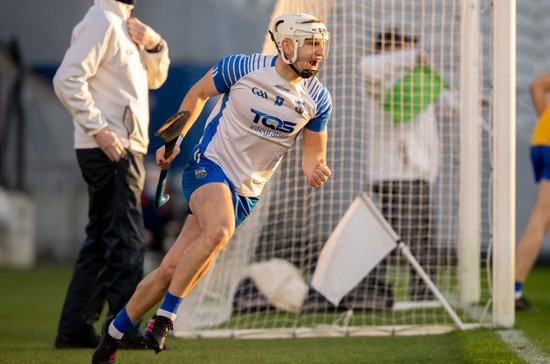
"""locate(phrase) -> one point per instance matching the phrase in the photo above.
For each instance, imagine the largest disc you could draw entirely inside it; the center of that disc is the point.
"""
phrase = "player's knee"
(219, 237)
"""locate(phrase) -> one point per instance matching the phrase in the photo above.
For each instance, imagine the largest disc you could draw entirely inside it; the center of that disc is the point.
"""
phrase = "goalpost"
(449, 265)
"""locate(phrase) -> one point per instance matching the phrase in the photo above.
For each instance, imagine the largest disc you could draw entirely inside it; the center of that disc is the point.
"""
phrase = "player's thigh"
(542, 202)
(213, 207)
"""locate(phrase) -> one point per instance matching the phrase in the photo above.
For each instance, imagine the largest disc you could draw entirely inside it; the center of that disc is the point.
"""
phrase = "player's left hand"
(142, 34)
(319, 175)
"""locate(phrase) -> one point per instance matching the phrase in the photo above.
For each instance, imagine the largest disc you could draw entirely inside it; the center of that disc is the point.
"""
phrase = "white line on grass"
(524, 348)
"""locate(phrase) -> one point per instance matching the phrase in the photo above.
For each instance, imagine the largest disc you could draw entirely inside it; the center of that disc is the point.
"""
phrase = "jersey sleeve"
(323, 101)
(233, 67)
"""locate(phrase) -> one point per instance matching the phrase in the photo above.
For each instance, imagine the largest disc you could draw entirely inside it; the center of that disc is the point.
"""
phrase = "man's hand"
(110, 144)
(142, 34)
(164, 161)
(319, 175)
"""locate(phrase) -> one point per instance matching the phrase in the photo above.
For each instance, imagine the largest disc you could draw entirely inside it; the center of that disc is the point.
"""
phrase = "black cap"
(393, 36)
(130, 2)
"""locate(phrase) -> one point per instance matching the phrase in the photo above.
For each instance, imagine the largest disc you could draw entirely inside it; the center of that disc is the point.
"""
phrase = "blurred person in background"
(538, 224)
(162, 224)
(405, 153)
(103, 81)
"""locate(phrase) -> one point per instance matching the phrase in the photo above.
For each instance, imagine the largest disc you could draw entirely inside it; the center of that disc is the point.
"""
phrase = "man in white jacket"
(104, 81)
(403, 159)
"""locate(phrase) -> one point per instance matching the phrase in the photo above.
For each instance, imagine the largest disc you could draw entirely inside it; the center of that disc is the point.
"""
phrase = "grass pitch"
(31, 301)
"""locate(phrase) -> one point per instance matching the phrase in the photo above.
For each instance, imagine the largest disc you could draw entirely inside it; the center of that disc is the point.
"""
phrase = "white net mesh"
(407, 159)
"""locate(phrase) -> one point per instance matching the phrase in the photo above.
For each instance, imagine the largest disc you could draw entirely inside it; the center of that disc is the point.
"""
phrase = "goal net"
(399, 241)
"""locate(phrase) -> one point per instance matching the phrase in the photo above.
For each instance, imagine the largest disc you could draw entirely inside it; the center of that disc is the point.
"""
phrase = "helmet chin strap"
(304, 73)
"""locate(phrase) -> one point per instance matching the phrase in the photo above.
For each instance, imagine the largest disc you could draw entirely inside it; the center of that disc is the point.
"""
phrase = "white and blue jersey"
(258, 118)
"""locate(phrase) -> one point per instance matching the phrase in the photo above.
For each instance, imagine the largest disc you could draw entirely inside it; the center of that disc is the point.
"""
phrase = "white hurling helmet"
(298, 27)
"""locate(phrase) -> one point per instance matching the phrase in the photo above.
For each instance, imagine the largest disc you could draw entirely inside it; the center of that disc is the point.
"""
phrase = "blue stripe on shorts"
(200, 171)
(540, 158)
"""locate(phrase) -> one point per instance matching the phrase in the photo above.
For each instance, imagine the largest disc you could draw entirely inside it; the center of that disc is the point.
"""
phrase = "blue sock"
(121, 323)
(518, 289)
(169, 306)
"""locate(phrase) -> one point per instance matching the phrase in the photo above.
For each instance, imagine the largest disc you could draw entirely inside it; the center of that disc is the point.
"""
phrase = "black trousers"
(110, 262)
(408, 207)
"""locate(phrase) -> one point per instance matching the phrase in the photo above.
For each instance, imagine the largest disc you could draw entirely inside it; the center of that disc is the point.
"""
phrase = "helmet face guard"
(301, 29)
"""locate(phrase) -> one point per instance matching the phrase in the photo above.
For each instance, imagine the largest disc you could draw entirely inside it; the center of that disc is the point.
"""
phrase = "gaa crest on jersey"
(200, 173)
(299, 107)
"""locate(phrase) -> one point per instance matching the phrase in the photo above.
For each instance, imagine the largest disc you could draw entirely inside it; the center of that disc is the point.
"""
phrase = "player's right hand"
(319, 175)
(164, 161)
(110, 144)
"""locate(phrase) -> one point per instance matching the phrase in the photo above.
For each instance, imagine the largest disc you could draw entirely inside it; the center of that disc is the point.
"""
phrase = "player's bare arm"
(193, 102)
(539, 92)
(314, 158)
